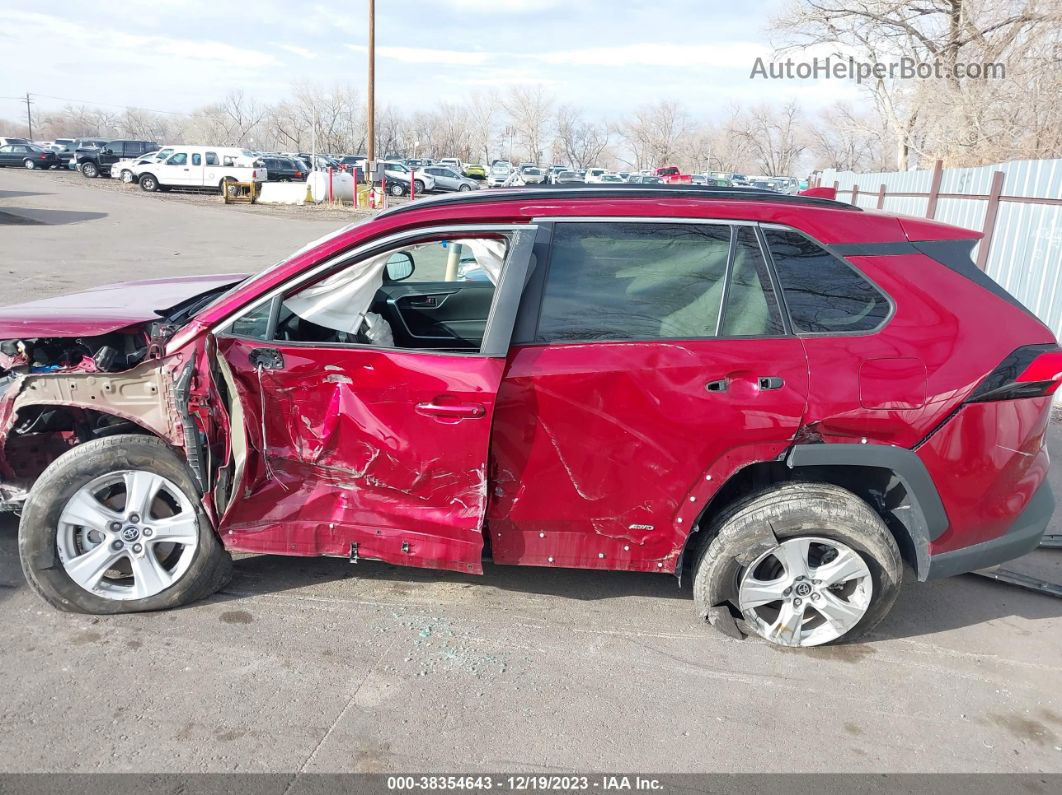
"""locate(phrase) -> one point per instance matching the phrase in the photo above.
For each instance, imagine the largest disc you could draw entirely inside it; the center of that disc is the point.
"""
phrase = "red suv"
(787, 397)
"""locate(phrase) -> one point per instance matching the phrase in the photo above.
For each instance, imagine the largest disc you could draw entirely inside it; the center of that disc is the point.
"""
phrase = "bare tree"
(655, 133)
(529, 109)
(774, 138)
(579, 143)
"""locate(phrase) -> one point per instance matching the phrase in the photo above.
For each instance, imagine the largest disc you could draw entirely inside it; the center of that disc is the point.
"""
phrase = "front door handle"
(717, 386)
(460, 411)
(771, 382)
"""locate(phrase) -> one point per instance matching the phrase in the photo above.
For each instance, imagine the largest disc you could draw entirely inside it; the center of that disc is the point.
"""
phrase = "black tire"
(396, 189)
(419, 185)
(210, 568)
(149, 182)
(753, 525)
(90, 170)
(462, 188)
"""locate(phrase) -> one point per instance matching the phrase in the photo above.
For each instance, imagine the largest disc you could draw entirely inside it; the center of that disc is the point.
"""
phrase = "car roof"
(619, 191)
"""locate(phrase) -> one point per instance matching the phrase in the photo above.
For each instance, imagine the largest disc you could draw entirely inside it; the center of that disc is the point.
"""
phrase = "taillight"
(1031, 371)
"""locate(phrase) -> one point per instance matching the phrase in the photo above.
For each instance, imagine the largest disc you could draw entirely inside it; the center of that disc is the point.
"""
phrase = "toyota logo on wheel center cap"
(130, 533)
(803, 589)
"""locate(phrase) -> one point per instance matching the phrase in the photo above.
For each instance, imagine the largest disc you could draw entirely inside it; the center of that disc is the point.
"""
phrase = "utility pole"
(29, 115)
(371, 122)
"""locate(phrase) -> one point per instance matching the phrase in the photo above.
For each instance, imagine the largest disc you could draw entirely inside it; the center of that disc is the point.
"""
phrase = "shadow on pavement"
(24, 216)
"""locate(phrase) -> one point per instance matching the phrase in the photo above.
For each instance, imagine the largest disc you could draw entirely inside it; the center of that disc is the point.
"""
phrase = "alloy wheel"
(127, 535)
(806, 591)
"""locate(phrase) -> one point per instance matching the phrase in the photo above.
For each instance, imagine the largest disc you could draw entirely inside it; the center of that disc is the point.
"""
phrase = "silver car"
(447, 179)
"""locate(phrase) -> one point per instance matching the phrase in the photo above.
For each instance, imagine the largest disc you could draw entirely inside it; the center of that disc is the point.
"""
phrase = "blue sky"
(608, 57)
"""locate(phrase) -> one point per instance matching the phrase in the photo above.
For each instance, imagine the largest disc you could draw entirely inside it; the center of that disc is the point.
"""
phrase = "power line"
(100, 104)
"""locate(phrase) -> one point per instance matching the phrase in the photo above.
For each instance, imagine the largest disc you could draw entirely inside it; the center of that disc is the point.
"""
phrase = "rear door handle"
(459, 411)
(771, 382)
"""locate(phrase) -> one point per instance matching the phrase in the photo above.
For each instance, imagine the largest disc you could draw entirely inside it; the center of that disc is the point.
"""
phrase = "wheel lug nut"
(134, 518)
(115, 526)
(138, 548)
(814, 597)
(116, 545)
(787, 591)
(797, 601)
(148, 532)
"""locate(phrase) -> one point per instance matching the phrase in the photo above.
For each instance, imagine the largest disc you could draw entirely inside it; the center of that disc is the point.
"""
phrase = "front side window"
(824, 295)
(434, 294)
(630, 281)
(179, 159)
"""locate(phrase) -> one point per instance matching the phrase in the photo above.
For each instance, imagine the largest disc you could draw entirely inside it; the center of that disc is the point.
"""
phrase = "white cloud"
(502, 6)
(302, 52)
(424, 55)
(739, 55)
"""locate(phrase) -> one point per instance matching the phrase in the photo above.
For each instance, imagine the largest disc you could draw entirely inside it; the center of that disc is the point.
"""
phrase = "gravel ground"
(320, 665)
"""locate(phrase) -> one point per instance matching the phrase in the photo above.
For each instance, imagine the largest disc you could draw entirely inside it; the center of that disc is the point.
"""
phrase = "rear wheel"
(126, 176)
(229, 187)
(90, 170)
(116, 526)
(29, 164)
(149, 183)
(803, 564)
(396, 189)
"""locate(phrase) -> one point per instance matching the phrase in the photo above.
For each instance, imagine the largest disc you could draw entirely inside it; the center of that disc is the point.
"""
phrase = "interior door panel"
(436, 314)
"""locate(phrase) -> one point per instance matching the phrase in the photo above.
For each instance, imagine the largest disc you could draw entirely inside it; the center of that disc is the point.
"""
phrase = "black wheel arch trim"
(924, 519)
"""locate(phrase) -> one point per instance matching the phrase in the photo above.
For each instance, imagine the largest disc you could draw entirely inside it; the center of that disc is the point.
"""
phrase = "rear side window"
(627, 281)
(211, 158)
(751, 308)
(823, 294)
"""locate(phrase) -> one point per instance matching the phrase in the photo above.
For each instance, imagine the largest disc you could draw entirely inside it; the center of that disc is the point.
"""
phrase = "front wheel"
(464, 188)
(149, 183)
(116, 526)
(419, 186)
(802, 564)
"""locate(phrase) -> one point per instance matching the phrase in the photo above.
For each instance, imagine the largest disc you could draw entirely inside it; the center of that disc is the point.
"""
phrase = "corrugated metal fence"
(1018, 206)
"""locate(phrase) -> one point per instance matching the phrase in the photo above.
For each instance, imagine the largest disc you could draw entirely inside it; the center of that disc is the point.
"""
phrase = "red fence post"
(412, 185)
(881, 197)
(331, 195)
(354, 177)
(855, 195)
(990, 219)
(934, 189)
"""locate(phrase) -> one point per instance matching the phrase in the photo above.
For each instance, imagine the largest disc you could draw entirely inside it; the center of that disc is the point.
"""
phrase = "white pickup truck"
(202, 167)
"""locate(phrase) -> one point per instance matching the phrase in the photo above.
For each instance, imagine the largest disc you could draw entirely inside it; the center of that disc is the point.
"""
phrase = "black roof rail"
(621, 191)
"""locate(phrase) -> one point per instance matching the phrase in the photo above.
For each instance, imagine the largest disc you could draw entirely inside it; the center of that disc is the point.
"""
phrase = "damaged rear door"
(353, 437)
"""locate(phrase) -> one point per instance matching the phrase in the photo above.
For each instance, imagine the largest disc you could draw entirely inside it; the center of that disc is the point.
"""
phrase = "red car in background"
(672, 175)
(786, 397)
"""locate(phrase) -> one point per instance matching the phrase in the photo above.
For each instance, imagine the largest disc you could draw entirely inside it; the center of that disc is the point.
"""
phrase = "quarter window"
(626, 281)
(823, 294)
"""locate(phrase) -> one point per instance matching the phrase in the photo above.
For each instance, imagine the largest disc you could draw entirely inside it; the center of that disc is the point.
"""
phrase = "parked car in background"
(97, 161)
(499, 173)
(126, 170)
(593, 175)
(567, 178)
(352, 160)
(284, 169)
(449, 179)
(399, 176)
(672, 175)
(449, 162)
(532, 175)
(19, 141)
(27, 156)
(200, 168)
(643, 179)
(612, 179)
(476, 171)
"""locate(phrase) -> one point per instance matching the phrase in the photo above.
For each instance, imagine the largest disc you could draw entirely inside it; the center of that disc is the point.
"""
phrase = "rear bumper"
(1021, 538)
